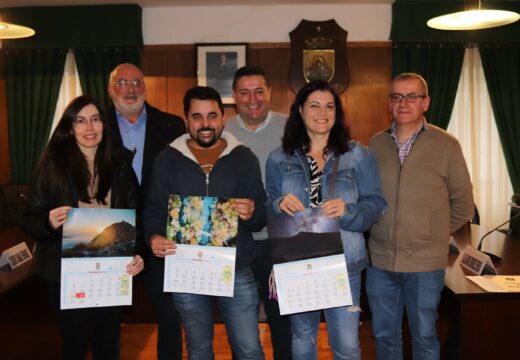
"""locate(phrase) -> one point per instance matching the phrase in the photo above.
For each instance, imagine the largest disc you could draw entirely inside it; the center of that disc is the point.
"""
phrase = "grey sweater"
(261, 143)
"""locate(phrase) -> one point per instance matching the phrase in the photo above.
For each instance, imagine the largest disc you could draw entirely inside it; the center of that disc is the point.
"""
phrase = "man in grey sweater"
(429, 194)
(261, 130)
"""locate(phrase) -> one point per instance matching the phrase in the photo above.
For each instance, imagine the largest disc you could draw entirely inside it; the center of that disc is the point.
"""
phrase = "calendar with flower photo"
(205, 230)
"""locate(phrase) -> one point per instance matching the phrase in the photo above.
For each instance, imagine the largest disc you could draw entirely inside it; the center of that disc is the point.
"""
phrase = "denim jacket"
(357, 183)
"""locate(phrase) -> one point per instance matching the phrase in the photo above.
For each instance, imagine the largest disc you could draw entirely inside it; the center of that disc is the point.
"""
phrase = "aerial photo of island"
(199, 220)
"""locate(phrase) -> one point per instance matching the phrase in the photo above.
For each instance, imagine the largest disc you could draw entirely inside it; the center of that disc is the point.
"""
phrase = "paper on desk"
(497, 283)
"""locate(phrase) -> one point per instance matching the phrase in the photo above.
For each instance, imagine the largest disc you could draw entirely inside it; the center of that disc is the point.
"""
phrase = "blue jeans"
(342, 328)
(279, 325)
(389, 293)
(240, 314)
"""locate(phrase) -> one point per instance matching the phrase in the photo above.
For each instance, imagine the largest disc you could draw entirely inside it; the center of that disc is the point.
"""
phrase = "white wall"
(261, 23)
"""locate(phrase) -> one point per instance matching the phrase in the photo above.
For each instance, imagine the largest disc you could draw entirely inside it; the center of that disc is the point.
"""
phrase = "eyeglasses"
(122, 84)
(410, 98)
(81, 121)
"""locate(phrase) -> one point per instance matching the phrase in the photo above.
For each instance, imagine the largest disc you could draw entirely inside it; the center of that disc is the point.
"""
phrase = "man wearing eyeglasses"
(427, 186)
(146, 131)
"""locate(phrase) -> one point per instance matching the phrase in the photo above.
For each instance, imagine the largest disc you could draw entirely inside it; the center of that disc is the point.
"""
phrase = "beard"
(129, 109)
(206, 143)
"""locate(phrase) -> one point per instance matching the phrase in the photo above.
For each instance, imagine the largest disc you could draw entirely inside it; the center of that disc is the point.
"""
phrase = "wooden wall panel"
(366, 99)
(170, 70)
(274, 58)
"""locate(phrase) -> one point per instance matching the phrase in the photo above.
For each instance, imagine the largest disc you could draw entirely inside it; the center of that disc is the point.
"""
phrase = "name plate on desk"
(16, 255)
(477, 262)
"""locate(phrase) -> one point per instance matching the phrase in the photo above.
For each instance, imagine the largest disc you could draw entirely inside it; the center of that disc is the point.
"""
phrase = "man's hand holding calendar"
(161, 246)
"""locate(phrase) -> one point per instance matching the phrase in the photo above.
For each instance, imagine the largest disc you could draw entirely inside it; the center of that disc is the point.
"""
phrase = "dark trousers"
(97, 327)
(280, 326)
(169, 330)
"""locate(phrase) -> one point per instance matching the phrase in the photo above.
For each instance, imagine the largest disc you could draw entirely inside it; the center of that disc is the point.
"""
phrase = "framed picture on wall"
(216, 65)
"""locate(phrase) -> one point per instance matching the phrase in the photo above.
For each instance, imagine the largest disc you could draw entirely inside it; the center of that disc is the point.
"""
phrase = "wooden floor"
(29, 330)
(138, 342)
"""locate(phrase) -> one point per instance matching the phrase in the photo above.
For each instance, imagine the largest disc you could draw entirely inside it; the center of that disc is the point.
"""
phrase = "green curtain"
(95, 64)
(33, 79)
(440, 65)
(502, 70)
(34, 66)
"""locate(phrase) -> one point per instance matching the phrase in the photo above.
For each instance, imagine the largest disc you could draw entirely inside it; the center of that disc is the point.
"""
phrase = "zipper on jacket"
(394, 233)
(207, 183)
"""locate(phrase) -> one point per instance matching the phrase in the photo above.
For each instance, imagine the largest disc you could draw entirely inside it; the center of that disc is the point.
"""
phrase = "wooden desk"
(8, 278)
(483, 325)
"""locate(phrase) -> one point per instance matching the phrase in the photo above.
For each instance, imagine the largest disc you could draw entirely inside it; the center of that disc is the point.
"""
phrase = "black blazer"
(161, 129)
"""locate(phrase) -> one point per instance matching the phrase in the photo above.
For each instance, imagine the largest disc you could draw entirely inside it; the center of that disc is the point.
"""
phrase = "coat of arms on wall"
(319, 52)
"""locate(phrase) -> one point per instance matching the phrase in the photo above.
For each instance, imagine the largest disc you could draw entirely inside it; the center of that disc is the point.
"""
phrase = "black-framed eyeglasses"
(411, 98)
(123, 83)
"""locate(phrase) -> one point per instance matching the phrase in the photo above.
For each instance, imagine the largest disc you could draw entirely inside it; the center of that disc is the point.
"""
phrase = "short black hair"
(249, 70)
(202, 93)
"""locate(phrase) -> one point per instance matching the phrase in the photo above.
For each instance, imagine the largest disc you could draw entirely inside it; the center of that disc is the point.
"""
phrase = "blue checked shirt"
(405, 147)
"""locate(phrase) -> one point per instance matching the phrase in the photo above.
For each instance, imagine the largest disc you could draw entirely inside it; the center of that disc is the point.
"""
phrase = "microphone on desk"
(494, 258)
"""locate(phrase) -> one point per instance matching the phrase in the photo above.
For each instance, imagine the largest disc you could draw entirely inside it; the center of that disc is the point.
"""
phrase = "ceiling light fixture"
(473, 19)
(12, 31)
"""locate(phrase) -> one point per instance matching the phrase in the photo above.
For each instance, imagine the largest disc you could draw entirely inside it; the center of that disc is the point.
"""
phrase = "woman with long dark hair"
(299, 175)
(79, 168)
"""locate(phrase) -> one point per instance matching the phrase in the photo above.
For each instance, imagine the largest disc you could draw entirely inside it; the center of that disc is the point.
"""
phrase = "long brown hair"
(62, 163)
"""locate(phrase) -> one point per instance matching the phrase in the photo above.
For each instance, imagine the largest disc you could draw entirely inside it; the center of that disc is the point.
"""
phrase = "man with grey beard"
(146, 130)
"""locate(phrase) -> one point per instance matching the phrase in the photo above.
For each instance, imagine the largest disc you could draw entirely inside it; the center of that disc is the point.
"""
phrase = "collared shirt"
(404, 148)
(133, 138)
(242, 124)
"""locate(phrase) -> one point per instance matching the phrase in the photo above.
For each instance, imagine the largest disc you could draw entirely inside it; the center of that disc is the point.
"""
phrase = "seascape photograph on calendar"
(202, 220)
(305, 235)
(98, 233)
